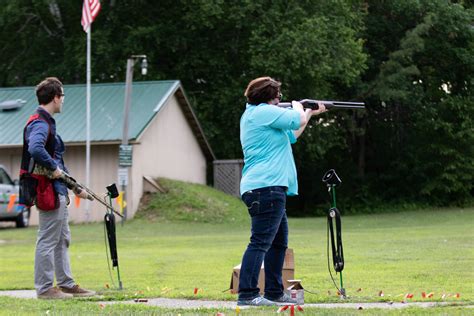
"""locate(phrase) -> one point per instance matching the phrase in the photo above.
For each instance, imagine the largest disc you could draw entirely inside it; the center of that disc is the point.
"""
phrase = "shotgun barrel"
(90, 194)
(313, 104)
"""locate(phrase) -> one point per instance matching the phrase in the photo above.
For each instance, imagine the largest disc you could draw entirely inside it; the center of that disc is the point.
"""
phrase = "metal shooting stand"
(332, 180)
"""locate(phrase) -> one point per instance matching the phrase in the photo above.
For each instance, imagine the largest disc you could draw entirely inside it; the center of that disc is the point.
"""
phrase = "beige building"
(166, 138)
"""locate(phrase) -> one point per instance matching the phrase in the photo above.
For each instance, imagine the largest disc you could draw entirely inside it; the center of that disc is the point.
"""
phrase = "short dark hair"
(262, 90)
(47, 89)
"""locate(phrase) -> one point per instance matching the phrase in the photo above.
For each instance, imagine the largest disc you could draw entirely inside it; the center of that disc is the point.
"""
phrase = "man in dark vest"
(44, 147)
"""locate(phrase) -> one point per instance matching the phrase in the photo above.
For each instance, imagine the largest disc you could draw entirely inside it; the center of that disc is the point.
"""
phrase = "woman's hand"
(297, 106)
(321, 109)
(307, 116)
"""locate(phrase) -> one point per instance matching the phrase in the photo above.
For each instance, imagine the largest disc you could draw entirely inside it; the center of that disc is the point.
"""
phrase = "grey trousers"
(52, 245)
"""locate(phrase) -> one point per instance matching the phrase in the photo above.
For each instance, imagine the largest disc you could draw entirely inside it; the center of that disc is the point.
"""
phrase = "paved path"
(191, 304)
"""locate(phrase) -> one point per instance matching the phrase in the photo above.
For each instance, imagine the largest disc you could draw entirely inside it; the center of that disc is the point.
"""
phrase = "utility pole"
(125, 150)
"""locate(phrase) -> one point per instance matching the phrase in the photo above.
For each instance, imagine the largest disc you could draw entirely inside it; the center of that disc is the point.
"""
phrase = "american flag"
(90, 9)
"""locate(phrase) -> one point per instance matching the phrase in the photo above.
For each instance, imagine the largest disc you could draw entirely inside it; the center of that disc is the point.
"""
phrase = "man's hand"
(83, 194)
(57, 173)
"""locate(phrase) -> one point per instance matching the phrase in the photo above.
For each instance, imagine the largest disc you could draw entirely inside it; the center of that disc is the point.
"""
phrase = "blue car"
(9, 208)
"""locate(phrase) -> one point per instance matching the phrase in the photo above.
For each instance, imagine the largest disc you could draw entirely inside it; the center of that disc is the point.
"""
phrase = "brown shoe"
(77, 291)
(54, 294)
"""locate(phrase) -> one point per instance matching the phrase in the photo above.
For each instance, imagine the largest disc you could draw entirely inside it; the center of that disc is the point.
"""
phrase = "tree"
(411, 61)
(405, 86)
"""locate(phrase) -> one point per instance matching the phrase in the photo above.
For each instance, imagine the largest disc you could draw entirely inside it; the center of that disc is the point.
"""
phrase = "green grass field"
(398, 253)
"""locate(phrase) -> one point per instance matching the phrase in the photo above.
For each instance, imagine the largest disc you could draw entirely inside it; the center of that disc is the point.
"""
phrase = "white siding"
(104, 161)
(167, 148)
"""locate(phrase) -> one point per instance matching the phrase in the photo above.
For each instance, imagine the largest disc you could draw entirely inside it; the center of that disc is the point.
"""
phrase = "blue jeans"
(268, 242)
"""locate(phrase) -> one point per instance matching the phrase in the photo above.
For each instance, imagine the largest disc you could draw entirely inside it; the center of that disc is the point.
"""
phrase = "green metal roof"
(107, 104)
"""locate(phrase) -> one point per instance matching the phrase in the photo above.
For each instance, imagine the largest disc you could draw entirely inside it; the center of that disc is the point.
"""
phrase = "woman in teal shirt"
(269, 174)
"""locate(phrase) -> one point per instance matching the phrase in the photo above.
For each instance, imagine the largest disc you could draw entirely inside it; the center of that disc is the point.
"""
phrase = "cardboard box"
(295, 291)
(288, 273)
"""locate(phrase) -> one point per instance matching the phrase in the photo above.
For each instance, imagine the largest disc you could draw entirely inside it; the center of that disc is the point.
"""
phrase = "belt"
(271, 188)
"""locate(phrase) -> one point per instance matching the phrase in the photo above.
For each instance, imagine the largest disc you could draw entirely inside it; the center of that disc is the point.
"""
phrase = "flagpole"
(88, 118)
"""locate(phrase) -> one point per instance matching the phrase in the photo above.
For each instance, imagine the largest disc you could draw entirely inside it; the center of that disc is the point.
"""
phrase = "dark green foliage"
(446, 131)
(414, 143)
(423, 133)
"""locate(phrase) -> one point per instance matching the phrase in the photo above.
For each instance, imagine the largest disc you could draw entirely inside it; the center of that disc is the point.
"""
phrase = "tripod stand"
(332, 180)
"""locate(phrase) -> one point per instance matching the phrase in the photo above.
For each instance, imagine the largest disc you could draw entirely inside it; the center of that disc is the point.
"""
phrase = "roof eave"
(195, 125)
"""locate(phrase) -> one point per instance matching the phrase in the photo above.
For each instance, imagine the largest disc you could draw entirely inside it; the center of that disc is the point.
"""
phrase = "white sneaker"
(258, 301)
(285, 299)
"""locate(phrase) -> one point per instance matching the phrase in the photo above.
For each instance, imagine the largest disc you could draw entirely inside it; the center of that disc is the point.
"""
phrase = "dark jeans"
(268, 242)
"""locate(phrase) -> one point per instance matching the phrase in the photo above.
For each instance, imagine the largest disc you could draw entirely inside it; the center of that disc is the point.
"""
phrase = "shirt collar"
(45, 113)
(248, 105)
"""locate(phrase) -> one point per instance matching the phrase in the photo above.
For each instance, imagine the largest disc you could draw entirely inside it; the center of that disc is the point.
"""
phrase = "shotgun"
(313, 104)
(76, 187)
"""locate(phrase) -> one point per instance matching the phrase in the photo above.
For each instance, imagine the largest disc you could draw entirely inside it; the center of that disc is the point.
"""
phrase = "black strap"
(337, 251)
(109, 220)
